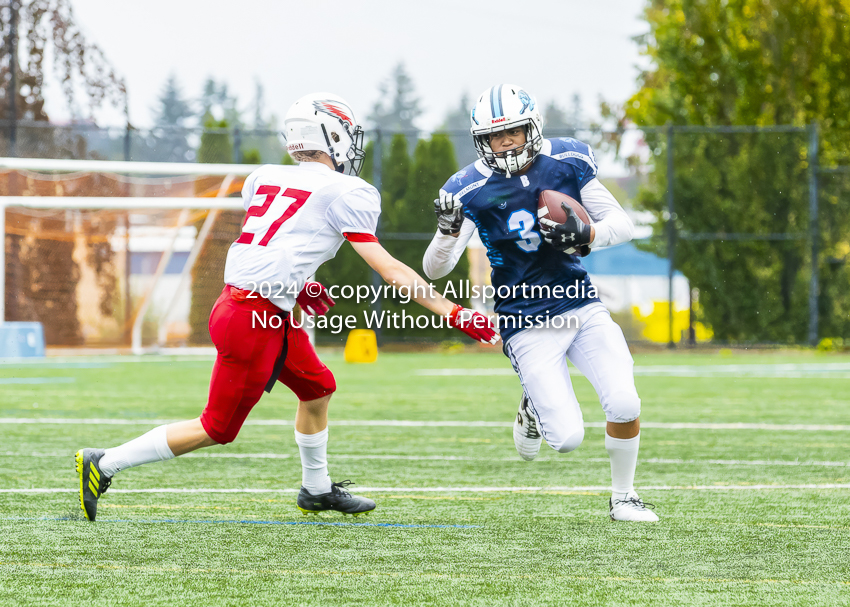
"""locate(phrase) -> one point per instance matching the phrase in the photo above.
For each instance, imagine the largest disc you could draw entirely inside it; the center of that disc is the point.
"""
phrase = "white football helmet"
(506, 106)
(325, 122)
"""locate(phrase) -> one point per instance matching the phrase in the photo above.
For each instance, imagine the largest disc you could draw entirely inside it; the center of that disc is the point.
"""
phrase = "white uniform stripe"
(515, 365)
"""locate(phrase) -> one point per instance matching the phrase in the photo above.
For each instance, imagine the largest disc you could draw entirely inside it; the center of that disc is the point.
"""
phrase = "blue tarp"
(626, 260)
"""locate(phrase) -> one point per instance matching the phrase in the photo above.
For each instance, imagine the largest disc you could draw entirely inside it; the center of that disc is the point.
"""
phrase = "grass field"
(753, 514)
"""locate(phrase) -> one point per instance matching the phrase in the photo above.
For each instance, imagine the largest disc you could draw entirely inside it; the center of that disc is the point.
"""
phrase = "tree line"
(741, 198)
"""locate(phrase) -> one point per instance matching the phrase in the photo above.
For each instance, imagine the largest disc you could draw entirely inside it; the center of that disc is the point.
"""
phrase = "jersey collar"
(482, 168)
(315, 166)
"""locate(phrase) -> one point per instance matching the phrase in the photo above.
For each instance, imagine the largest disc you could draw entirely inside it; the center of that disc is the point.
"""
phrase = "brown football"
(549, 206)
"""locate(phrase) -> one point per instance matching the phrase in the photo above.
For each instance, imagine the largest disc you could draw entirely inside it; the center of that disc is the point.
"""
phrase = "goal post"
(110, 249)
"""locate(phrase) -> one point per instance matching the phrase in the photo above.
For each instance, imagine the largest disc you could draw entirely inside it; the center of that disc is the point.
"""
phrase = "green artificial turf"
(461, 520)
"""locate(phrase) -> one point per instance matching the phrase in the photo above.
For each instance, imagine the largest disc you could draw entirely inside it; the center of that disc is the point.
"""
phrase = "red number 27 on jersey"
(270, 191)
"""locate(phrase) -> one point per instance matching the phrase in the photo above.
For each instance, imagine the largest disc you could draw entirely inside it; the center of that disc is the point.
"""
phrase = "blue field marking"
(47, 364)
(249, 522)
(37, 380)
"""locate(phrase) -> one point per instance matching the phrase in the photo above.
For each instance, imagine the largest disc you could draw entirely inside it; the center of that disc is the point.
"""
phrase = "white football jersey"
(297, 219)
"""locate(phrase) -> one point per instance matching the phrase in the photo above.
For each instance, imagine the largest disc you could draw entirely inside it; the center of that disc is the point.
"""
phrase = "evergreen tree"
(457, 125)
(216, 145)
(555, 118)
(251, 156)
(458, 118)
(396, 170)
(398, 107)
(172, 108)
(433, 163)
(558, 122)
(217, 102)
(209, 98)
(368, 162)
(171, 115)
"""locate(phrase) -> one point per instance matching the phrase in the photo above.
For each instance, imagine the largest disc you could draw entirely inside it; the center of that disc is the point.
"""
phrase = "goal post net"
(116, 254)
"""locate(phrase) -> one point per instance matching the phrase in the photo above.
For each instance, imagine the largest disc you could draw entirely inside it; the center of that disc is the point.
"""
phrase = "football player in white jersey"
(297, 218)
(498, 196)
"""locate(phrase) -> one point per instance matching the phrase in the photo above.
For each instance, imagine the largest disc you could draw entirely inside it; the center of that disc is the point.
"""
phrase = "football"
(549, 207)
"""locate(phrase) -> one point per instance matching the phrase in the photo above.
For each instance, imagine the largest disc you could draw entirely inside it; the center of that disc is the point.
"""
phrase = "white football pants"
(598, 348)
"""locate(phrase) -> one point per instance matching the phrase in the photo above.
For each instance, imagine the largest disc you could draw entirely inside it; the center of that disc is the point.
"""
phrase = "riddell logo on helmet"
(334, 109)
(294, 147)
(498, 120)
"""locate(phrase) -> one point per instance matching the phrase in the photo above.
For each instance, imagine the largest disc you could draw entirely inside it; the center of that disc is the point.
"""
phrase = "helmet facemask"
(354, 155)
(516, 159)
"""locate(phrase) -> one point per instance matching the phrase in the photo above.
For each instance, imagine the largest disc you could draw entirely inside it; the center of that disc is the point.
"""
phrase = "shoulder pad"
(466, 180)
(573, 152)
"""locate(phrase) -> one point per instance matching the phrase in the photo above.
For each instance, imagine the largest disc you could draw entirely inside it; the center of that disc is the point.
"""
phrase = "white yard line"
(428, 424)
(790, 371)
(463, 489)
(462, 458)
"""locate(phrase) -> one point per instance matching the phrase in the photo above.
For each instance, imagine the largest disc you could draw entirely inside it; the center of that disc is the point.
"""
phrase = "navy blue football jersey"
(532, 280)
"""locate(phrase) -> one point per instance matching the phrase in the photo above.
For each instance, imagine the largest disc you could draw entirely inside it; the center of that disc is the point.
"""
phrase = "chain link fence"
(743, 233)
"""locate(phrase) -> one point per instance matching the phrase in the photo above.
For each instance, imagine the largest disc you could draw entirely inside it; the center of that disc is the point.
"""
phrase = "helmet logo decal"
(334, 109)
(473, 117)
(526, 101)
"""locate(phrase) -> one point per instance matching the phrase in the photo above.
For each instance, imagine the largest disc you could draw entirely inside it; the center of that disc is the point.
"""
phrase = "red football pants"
(246, 356)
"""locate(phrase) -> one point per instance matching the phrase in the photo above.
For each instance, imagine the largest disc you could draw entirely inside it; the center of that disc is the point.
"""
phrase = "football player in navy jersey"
(548, 309)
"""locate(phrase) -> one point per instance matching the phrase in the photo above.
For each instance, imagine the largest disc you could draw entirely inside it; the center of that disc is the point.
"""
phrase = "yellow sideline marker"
(361, 346)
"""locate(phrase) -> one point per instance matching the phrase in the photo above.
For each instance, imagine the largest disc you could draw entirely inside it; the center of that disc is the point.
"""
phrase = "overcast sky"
(553, 48)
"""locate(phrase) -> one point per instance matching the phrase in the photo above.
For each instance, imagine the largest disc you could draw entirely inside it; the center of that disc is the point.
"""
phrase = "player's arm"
(396, 273)
(611, 224)
(446, 250)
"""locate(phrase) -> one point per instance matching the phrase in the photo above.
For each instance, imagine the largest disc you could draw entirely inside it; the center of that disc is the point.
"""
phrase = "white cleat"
(527, 438)
(631, 509)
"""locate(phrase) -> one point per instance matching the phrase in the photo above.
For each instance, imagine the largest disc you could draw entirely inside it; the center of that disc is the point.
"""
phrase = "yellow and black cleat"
(93, 483)
(337, 499)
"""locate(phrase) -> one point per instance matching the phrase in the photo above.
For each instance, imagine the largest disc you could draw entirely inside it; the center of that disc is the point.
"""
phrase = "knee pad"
(622, 407)
(569, 442)
(309, 386)
(329, 382)
(221, 435)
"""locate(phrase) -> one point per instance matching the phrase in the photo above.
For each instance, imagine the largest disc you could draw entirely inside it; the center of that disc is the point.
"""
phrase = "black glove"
(572, 236)
(449, 212)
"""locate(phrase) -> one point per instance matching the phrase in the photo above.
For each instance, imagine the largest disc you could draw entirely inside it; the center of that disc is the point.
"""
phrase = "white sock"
(314, 461)
(150, 447)
(623, 453)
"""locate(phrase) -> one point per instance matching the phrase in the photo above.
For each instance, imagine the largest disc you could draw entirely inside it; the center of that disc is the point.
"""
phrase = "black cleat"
(336, 499)
(93, 483)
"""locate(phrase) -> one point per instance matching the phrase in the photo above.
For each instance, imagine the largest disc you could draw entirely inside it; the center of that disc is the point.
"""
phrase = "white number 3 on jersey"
(523, 221)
